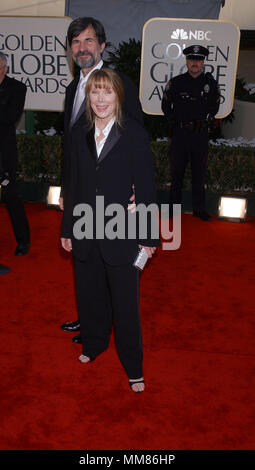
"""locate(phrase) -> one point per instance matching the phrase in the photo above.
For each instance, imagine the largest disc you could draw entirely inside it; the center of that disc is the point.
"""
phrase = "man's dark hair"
(78, 25)
(3, 58)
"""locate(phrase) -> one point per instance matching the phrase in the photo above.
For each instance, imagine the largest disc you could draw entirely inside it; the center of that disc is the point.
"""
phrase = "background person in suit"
(87, 39)
(12, 99)
(119, 156)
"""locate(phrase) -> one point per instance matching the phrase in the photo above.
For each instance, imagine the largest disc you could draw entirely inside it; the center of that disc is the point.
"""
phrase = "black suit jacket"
(131, 107)
(12, 99)
(126, 159)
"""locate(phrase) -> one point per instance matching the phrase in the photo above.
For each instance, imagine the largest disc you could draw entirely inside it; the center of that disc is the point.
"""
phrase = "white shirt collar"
(106, 130)
(85, 79)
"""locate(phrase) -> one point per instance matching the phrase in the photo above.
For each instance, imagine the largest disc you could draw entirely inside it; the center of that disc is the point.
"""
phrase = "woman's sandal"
(83, 359)
(135, 382)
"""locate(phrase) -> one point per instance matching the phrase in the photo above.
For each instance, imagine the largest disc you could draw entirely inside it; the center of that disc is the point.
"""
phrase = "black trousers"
(187, 144)
(95, 282)
(17, 213)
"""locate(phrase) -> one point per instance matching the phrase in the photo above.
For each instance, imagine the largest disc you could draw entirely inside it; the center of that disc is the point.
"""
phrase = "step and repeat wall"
(162, 57)
(38, 55)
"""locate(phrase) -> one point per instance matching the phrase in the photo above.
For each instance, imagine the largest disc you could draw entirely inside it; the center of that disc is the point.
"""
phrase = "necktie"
(79, 99)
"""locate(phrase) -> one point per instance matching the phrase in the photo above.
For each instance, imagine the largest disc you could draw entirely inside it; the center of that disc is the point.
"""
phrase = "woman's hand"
(61, 203)
(66, 244)
(132, 206)
(150, 250)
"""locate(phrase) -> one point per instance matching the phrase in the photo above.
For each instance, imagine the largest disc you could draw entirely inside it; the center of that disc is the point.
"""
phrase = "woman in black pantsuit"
(104, 163)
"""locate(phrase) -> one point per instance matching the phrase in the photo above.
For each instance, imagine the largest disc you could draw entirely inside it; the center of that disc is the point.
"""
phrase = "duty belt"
(195, 126)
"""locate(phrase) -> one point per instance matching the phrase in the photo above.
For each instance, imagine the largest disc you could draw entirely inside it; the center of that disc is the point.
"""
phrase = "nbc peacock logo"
(179, 34)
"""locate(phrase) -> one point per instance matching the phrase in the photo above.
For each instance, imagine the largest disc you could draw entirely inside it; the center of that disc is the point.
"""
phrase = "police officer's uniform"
(189, 103)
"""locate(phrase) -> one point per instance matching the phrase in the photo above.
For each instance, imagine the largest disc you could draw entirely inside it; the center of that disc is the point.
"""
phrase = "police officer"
(190, 101)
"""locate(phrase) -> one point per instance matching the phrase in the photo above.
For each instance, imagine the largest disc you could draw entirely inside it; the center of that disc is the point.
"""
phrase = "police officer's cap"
(196, 52)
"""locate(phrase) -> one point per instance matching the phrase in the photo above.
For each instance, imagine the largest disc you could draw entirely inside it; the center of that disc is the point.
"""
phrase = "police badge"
(206, 88)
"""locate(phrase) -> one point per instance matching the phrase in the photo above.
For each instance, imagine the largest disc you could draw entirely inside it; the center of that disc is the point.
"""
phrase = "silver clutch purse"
(4, 179)
(140, 259)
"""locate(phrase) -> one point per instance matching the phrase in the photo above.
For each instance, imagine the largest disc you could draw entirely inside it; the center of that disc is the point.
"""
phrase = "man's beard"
(86, 64)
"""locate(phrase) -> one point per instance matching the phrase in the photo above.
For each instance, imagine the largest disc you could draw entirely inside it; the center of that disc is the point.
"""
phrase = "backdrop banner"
(162, 57)
(36, 48)
(124, 19)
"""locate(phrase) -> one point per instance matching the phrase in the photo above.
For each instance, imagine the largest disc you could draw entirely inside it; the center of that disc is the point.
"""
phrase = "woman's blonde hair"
(104, 78)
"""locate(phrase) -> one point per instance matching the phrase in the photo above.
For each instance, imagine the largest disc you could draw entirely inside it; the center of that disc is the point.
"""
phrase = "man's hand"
(66, 244)
(61, 203)
(150, 250)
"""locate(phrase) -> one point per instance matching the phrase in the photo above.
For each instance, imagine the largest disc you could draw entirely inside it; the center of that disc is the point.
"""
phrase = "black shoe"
(202, 215)
(22, 250)
(77, 339)
(4, 269)
(71, 326)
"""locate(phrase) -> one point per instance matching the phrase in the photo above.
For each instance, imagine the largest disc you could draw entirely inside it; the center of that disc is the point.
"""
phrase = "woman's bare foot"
(84, 359)
(137, 385)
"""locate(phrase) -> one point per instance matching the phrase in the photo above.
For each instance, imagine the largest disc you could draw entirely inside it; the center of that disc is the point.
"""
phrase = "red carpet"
(197, 308)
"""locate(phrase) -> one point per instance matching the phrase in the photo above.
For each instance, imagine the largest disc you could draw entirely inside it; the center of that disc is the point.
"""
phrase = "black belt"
(196, 126)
